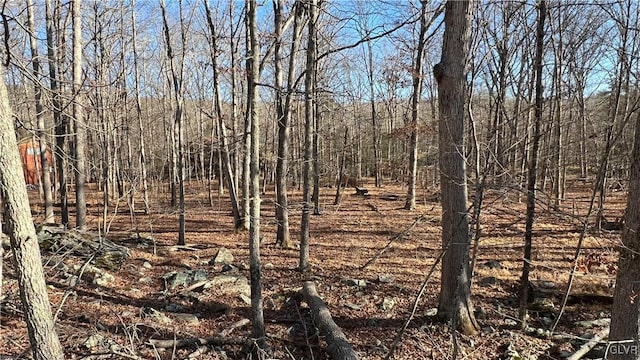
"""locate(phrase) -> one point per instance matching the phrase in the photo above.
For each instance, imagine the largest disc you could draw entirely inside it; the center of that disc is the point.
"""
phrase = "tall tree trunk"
(625, 313)
(24, 242)
(283, 104)
(309, 93)
(178, 91)
(410, 203)
(143, 150)
(533, 165)
(78, 116)
(255, 267)
(375, 131)
(455, 294)
(224, 148)
(61, 122)
(43, 145)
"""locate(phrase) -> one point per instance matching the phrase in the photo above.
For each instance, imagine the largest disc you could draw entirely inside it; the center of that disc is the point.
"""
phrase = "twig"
(226, 332)
(394, 238)
(584, 349)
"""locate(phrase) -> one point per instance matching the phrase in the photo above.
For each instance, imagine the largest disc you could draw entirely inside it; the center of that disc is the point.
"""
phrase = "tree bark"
(24, 242)
(533, 166)
(309, 91)
(178, 89)
(224, 147)
(338, 347)
(283, 104)
(78, 116)
(61, 121)
(44, 161)
(625, 313)
(255, 267)
(410, 203)
(455, 295)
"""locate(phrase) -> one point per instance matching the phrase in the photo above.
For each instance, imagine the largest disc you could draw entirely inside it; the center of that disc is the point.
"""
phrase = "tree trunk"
(24, 242)
(283, 104)
(410, 203)
(61, 122)
(455, 295)
(44, 161)
(78, 116)
(224, 148)
(533, 162)
(309, 91)
(254, 229)
(624, 336)
(136, 71)
(176, 80)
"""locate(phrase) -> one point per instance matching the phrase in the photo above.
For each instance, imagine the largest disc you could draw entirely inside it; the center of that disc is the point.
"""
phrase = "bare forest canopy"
(366, 51)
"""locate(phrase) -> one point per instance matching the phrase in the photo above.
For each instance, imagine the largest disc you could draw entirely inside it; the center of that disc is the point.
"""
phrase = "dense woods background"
(291, 98)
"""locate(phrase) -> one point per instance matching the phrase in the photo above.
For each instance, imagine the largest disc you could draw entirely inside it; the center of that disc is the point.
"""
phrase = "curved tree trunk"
(455, 294)
(24, 242)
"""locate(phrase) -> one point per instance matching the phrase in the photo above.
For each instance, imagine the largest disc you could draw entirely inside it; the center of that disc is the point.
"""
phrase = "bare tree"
(455, 294)
(61, 121)
(44, 161)
(410, 203)
(78, 116)
(309, 92)
(224, 147)
(24, 242)
(255, 268)
(533, 162)
(625, 313)
(283, 112)
(177, 77)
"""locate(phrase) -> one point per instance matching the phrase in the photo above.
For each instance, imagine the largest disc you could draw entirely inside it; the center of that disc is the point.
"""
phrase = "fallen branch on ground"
(338, 347)
(584, 349)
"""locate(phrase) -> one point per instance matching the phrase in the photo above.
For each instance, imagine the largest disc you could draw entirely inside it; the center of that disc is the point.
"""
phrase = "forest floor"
(113, 320)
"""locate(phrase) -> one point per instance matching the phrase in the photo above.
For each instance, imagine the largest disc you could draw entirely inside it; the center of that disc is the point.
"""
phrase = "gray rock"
(388, 303)
(268, 266)
(172, 307)
(431, 312)
(145, 280)
(488, 281)
(103, 279)
(587, 324)
(510, 322)
(146, 265)
(385, 279)
(157, 316)
(186, 318)
(223, 256)
(355, 282)
(546, 284)
(494, 264)
(93, 341)
(183, 278)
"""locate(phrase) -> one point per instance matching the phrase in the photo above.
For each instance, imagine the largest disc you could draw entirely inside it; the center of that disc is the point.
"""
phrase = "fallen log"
(338, 347)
